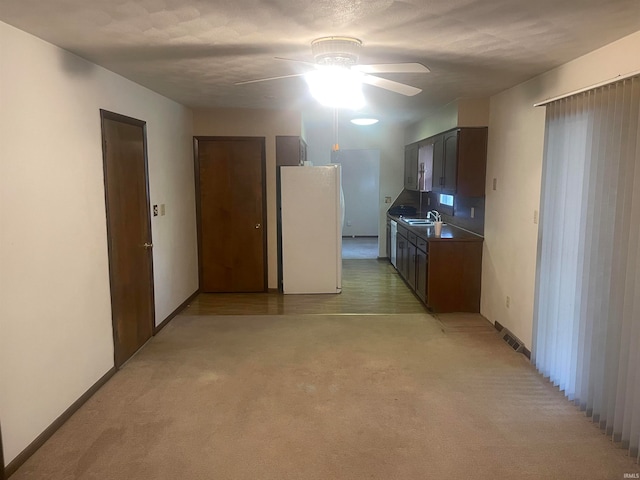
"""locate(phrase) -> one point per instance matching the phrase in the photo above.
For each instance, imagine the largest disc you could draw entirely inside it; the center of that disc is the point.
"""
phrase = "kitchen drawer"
(412, 238)
(422, 244)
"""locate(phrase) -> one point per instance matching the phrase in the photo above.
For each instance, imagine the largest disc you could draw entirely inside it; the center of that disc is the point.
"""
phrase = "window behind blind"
(587, 312)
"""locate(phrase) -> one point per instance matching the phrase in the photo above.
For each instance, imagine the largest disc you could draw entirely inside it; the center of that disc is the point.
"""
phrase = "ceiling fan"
(340, 54)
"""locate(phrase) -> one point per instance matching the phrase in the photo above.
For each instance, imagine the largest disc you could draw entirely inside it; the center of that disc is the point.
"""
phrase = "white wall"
(255, 123)
(442, 120)
(473, 112)
(387, 139)
(172, 183)
(515, 151)
(463, 112)
(55, 315)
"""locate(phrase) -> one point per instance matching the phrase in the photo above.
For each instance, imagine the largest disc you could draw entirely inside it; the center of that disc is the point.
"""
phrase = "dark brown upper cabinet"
(453, 162)
(290, 150)
(472, 162)
(446, 163)
(411, 167)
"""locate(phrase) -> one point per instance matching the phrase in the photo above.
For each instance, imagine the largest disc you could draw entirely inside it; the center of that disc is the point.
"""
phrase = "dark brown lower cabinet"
(421, 274)
(411, 267)
(402, 254)
(444, 274)
(416, 276)
(453, 276)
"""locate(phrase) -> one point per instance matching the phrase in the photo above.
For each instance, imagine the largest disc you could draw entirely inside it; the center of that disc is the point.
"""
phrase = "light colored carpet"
(326, 397)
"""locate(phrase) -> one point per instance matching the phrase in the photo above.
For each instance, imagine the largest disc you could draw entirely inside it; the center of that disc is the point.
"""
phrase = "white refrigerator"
(311, 229)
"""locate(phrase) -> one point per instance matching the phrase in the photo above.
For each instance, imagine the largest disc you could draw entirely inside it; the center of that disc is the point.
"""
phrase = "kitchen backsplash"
(425, 201)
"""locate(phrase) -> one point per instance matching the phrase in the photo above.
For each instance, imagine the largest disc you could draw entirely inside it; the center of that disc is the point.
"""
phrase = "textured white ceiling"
(194, 50)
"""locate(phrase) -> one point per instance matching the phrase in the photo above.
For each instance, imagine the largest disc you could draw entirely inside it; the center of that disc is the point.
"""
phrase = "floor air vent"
(512, 340)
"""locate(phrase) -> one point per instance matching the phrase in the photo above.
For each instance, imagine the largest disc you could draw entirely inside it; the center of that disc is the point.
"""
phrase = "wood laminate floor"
(359, 247)
(369, 286)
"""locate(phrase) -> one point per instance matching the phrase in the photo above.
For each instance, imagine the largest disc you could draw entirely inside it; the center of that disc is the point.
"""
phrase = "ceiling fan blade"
(392, 68)
(190, 51)
(396, 87)
(257, 80)
(297, 61)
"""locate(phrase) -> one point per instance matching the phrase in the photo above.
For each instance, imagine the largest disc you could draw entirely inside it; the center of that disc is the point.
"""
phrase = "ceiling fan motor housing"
(341, 51)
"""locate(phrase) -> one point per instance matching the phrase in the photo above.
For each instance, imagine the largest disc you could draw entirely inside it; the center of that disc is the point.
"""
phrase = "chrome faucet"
(435, 215)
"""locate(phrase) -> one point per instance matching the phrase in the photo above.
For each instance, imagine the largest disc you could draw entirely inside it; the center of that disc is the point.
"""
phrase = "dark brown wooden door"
(129, 233)
(231, 214)
(2, 472)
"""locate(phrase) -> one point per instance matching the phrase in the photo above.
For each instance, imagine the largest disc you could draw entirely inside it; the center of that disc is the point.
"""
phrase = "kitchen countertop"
(449, 232)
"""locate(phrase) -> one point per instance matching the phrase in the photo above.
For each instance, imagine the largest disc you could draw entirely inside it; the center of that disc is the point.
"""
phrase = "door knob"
(257, 225)
(148, 245)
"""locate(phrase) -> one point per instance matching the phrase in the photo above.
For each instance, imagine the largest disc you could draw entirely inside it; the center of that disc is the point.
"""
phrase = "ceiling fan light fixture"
(341, 51)
(336, 87)
(364, 121)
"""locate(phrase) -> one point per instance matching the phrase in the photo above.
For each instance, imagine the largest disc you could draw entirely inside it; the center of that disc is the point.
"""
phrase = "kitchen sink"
(418, 221)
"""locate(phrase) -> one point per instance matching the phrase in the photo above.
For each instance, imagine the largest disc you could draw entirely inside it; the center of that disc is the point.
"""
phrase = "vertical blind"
(587, 309)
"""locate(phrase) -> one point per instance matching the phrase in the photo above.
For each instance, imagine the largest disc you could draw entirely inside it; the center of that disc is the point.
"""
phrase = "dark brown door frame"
(2, 472)
(196, 164)
(107, 115)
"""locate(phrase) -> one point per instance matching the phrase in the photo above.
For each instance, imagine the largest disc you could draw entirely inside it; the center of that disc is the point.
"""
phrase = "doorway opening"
(361, 188)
